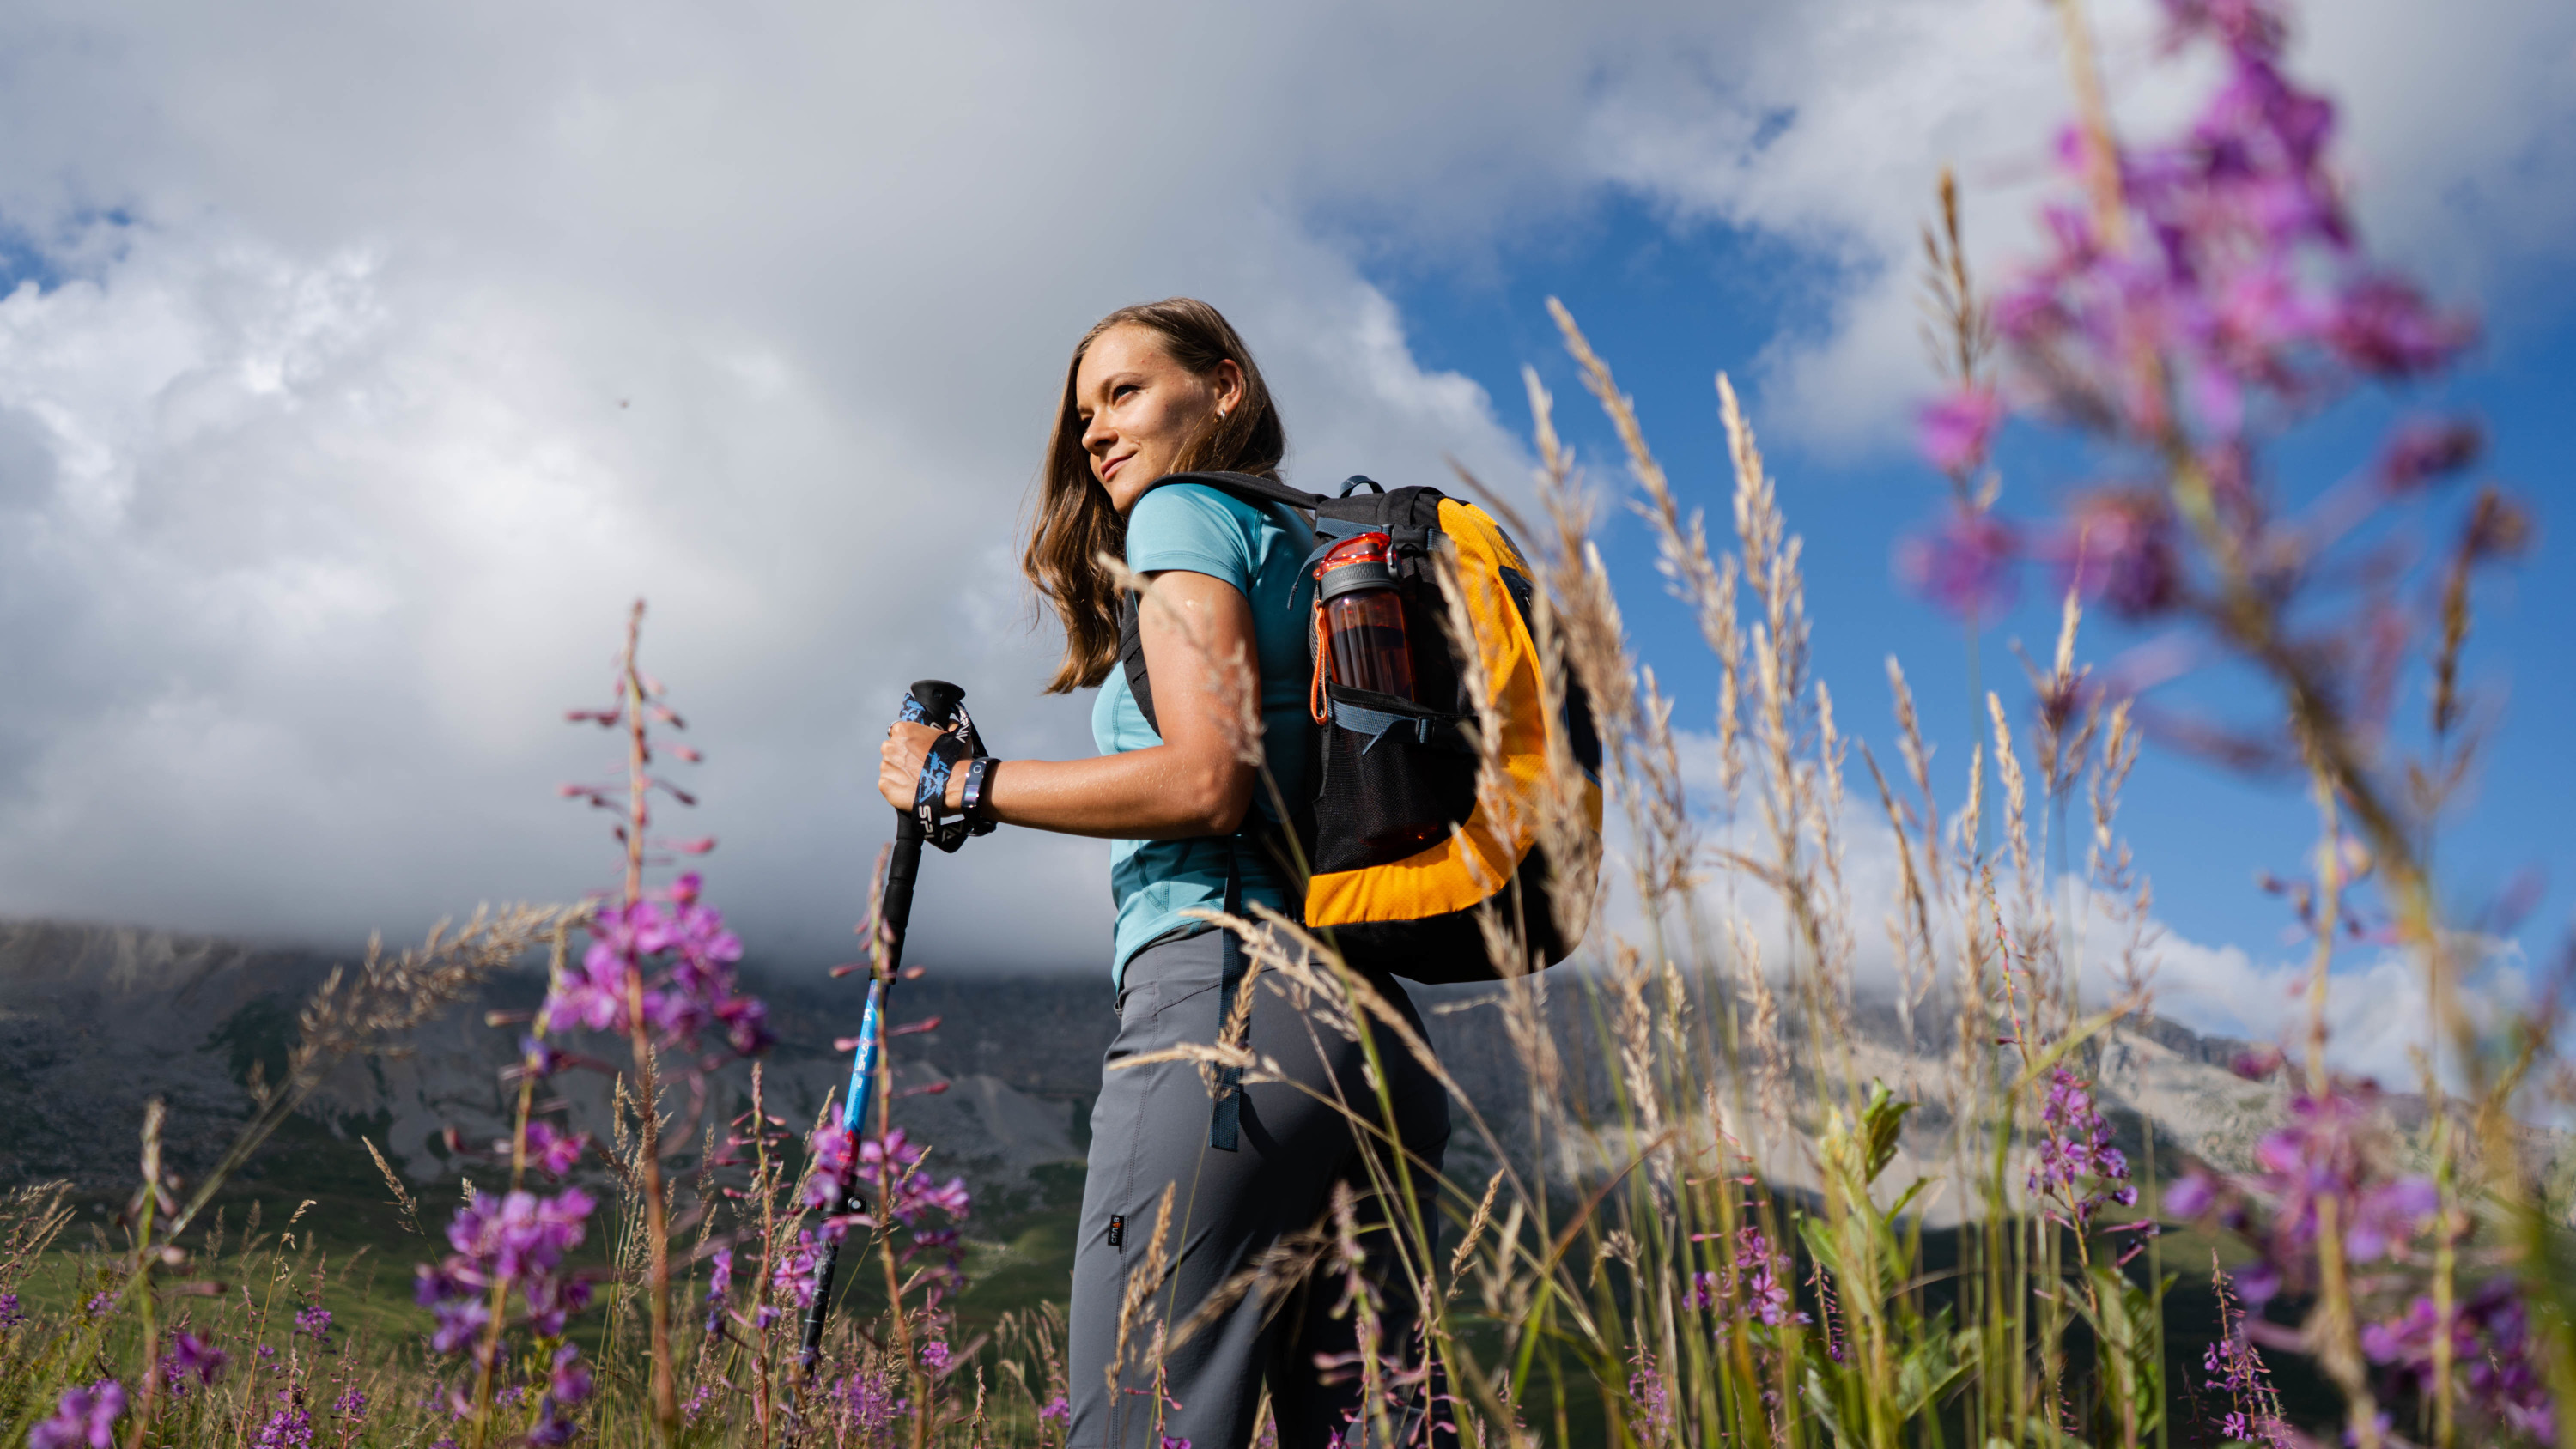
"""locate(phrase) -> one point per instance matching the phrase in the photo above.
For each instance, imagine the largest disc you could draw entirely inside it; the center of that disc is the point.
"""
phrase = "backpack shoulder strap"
(1251, 488)
(1131, 659)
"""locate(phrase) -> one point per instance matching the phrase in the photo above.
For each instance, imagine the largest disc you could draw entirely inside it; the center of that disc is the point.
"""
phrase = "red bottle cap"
(1359, 562)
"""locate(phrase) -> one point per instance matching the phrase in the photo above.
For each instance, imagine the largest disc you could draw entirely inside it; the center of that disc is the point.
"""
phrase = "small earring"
(1220, 415)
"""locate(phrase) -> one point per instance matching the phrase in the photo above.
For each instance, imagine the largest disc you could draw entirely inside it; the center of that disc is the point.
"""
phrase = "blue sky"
(1671, 306)
(362, 364)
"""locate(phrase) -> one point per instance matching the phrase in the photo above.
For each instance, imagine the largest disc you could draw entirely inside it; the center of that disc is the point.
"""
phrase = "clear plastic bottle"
(1363, 617)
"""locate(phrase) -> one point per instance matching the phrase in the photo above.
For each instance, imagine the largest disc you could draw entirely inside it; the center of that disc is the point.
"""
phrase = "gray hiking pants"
(1150, 1129)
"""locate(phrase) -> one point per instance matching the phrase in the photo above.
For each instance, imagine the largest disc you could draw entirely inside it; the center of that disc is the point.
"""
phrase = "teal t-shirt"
(1261, 550)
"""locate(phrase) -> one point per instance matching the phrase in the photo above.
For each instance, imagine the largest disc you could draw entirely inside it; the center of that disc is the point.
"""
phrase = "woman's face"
(1139, 408)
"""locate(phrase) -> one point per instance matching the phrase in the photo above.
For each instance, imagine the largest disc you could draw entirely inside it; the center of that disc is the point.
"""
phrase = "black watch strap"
(979, 794)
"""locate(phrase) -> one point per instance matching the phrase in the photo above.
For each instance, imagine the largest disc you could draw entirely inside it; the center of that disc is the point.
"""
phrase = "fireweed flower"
(1757, 1280)
(191, 1357)
(1956, 432)
(2078, 1166)
(899, 1195)
(549, 1150)
(2236, 1370)
(569, 1380)
(2424, 450)
(82, 1417)
(2237, 295)
(11, 1315)
(2491, 1350)
(1765, 1297)
(687, 960)
(2117, 546)
(567, 1383)
(1966, 565)
(834, 1161)
(288, 1428)
(314, 1322)
(1649, 1396)
(870, 1408)
(792, 1275)
(517, 1243)
(2332, 1148)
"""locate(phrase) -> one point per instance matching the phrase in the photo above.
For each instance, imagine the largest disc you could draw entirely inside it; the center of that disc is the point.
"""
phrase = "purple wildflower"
(1702, 1293)
(314, 1322)
(2332, 1148)
(549, 1150)
(569, 1381)
(11, 1315)
(98, 1304)
(2239, 287)
(1059, 1410)
(518, 1241)
(2078, 1166)
(791, 1277)
(2191, 1195)
(551, 1428)
(82, 1417)
(1966, 565)
(835, 1163)
(2385, 328)
(870, 1407)
(350, 1405)
(1957, 431)
(936, 1356)
(687, 958)
(2117, 546)
(1650, 1397)
(289, 1428)
(2426, 449)
(2491, 1348)
(1766, 1299)
(191, 1357)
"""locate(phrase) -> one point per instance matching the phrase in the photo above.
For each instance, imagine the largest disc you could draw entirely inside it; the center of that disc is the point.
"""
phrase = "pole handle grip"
(938, 700)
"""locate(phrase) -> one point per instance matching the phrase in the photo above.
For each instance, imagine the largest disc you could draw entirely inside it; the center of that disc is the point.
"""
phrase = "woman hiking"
(1162, 388)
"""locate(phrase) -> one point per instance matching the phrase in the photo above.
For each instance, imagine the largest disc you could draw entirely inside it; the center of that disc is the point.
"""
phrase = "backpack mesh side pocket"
(1389, 796)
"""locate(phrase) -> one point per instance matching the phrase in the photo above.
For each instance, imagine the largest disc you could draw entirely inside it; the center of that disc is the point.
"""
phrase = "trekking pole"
(938, 701)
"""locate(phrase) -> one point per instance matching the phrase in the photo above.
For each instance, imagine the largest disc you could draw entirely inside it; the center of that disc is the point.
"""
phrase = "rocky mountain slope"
(94, 1020)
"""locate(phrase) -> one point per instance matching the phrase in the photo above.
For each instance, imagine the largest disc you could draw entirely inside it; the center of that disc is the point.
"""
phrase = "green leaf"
(1882, 1122)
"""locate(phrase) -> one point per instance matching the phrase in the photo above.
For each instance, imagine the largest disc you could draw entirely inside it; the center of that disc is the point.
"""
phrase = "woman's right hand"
(899, 762)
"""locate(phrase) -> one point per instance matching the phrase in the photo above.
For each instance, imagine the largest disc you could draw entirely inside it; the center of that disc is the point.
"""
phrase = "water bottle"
(1363, 617)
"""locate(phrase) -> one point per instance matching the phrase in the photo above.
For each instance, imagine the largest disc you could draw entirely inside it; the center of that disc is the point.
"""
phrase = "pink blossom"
(2426, 449)
(1966, 565)
(2117, 547)
(82, 1417)
(1956, 431)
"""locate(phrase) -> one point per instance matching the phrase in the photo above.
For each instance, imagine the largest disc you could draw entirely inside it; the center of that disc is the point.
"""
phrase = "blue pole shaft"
(939, 701)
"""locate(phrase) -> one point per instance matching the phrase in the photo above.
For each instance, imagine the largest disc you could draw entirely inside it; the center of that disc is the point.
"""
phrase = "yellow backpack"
(1401, 855)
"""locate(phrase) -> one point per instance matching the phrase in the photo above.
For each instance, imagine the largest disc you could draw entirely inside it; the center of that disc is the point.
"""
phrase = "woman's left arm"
(1198, 639)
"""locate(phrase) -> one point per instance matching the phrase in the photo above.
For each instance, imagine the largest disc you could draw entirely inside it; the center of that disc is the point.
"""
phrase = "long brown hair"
(1075, 521)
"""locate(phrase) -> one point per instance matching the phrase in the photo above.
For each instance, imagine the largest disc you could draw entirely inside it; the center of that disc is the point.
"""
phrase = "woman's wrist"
(973, 783)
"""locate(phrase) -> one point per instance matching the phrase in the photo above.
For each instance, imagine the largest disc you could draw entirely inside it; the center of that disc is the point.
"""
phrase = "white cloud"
(1828, 127)
(2378, 1010)
(393, 349)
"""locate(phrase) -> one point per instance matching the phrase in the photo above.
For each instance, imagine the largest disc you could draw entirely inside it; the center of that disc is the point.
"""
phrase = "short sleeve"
(1190, 526)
